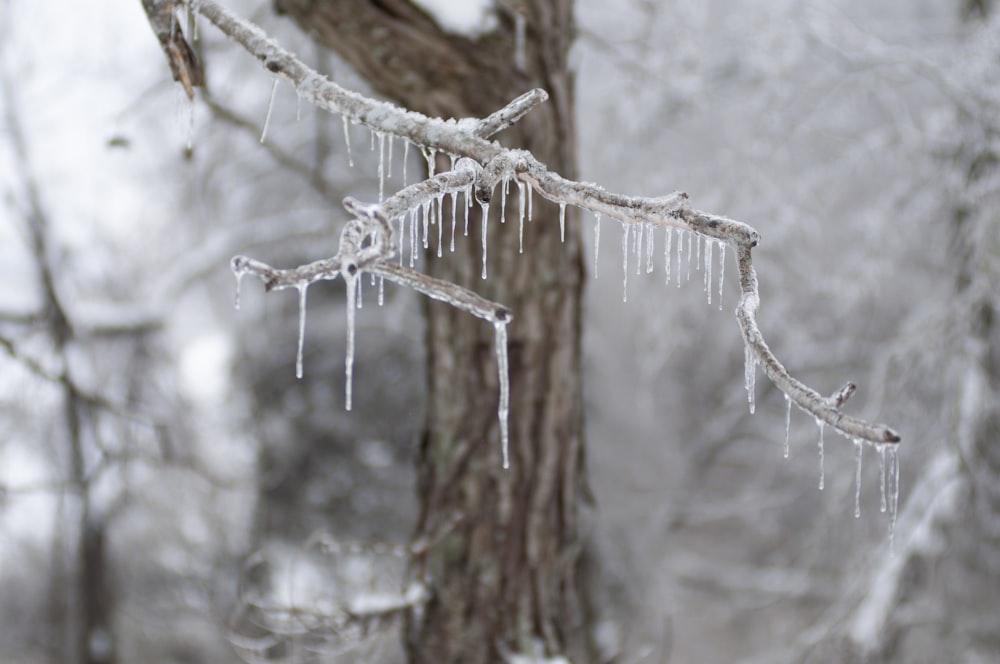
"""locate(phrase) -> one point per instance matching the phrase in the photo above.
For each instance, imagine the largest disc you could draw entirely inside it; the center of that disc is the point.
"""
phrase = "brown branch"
(494, 164)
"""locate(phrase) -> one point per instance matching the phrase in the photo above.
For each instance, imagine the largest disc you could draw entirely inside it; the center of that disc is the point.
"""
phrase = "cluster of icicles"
(688, 250)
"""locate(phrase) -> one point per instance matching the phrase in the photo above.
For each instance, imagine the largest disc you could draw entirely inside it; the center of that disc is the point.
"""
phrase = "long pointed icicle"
(350, 281)
(680, 255)
(650, 242)
(666, 253)
(597, 240)
(625, 228)
(486, 219)
(881, 472)
(708, 269)
(788, 422)
(520, 230)
(822, 468)
(302, 288)
(270, 106)
(562, 222)
(347, 141)
(722, 270)
(749, 375)
(503, 374)
(894, 497)
(859, 450)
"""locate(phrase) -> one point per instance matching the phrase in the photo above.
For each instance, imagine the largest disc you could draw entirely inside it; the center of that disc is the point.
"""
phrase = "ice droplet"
(625, 228)
(302, 288)
(822, 469)
(597, 239)
(486, 218)
(347, 141)
(858, 455)
(749, 375)
(350, 281)
(562, 222)
(270, 105)
(503, 374)
(788, 421)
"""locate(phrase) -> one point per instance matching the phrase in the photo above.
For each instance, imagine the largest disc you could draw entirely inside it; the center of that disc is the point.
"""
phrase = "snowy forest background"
(860, 140)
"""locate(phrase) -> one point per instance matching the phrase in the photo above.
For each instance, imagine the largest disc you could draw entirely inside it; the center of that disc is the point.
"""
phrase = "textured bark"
(505, 578)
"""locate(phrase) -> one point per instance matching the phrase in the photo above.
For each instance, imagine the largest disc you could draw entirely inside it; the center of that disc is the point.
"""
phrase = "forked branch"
(480, 167)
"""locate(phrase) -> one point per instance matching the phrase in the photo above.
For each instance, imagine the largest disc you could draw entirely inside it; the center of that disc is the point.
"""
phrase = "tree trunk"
(505, 578)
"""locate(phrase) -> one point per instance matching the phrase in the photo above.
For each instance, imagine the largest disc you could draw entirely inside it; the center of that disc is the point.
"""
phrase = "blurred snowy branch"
(482, 165)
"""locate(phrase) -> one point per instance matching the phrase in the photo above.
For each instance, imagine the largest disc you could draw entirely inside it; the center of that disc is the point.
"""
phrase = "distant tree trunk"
(506, 578)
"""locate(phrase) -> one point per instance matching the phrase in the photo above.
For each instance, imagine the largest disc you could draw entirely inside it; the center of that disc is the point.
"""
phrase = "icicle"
(298, 105)
(690, 243)
(788, 421)
(625, 228)
(381, 166)
(431, 156)
(361, 301)
(528, 186)
(270, 105)
(440, 221)
(402, 237)
(302, 288)
(708, 270)
(749, 375)
(881, 471)
(503, 373)
(371, 136)
(239, 273)
(381, 291)
(650, 241)
(597, 239)
(189, 145)
(858, 454)
(697, 244)
(666, 253)
(504, 189)
(413, 235)
(468, 205)
(347, 140)
(406, 157)
(520, 28)
(822, 469)
(351, 285)
(426, 209)
(562, 222)
(389, 159)
(640, 228)
(722, 270)
(680, 250)
(894, 498)
(520, 231)
(486, 218)
(454, 214)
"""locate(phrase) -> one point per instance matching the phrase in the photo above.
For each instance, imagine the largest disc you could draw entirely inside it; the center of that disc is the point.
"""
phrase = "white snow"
(462, 17)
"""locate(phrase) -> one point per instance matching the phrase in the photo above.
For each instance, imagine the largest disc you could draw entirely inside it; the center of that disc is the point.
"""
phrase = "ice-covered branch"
(481, 166)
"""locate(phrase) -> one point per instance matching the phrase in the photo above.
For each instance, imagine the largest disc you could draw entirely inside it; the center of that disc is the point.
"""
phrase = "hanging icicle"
(822, 469)
(486, 218)
(722, 270)
(350, 282)
(788, 422)
(625, 229)
(347, 141)
(597, 240)
(520, 213)
(270, 105)
(666, 253)
(858, 454)
(503, 375)
(562, 222)
(302, 288)
(749, 375)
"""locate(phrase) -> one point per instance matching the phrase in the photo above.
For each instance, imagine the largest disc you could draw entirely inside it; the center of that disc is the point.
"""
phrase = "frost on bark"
(506, 575)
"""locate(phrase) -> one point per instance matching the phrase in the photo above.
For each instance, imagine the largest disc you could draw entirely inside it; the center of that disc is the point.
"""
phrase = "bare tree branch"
(487, 164)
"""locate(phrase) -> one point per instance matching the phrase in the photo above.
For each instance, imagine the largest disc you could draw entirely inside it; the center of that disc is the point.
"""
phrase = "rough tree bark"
(505, 578)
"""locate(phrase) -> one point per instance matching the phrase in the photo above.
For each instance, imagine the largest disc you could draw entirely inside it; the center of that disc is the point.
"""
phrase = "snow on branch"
(368, 242)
